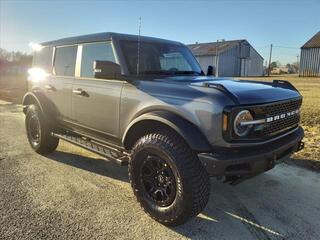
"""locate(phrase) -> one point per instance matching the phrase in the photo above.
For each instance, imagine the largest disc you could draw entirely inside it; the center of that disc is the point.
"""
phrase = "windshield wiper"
(187, 72)
(166, 72)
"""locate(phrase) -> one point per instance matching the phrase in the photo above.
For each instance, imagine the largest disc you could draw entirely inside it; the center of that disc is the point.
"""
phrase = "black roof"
(314, 42)
(100, 37)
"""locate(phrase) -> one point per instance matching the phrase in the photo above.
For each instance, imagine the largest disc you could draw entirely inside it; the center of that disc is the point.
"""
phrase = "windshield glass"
(159, 58)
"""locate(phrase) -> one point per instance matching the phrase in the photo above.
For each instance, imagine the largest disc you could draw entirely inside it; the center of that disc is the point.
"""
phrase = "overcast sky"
(285, 23)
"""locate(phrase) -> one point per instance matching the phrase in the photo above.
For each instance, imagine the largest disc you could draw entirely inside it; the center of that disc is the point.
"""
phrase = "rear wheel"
(167, 178)
(39, 131)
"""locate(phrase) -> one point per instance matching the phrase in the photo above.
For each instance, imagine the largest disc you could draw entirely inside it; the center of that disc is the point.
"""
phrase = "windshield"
(159, 58)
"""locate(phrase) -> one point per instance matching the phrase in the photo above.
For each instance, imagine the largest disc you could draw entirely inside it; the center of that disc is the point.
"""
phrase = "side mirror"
(210, 70)
(106, 69)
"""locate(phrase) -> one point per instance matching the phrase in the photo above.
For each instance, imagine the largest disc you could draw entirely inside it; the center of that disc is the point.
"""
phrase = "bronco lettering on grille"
(282, 116)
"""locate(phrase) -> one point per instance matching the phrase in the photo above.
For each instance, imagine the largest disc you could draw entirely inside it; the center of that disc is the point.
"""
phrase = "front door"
(96, 102)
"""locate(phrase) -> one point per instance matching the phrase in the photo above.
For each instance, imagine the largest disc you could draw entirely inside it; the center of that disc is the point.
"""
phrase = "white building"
(235, 58)
(310, 58)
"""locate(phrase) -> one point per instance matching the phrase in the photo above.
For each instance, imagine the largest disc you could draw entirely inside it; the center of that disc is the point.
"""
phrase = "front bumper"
(250, 161)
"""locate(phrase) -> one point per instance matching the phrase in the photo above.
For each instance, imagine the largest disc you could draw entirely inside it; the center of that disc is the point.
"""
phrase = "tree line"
(15, 57)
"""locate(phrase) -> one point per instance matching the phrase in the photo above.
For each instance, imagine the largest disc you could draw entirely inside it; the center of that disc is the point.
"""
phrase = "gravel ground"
(74, 194)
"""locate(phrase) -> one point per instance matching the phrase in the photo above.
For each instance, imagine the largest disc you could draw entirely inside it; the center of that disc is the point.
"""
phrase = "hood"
(242, 91)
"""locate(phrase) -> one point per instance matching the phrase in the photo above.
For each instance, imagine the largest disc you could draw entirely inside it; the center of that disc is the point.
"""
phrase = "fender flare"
(43, 103)
(28, 98)
(187, 130)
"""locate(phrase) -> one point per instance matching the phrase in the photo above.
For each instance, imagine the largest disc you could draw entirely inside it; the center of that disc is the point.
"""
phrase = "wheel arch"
(30, 98)
(37, 98)
(156, 120)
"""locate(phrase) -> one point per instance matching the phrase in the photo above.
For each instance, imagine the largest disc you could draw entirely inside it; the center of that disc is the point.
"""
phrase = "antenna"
(138, 61)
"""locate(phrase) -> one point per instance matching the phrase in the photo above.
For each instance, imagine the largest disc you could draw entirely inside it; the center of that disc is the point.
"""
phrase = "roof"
(314, 42)
(99, 37)
(212, 48)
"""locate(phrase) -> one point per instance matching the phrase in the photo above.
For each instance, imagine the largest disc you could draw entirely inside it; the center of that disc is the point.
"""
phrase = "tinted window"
(65, 60)
(174, 60)
(159, 58)
(92, 52)
(43, 59)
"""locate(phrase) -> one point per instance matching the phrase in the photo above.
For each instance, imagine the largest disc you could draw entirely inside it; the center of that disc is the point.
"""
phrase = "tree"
(273, 65)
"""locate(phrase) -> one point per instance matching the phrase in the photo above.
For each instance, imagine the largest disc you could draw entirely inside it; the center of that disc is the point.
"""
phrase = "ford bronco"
(146, 102)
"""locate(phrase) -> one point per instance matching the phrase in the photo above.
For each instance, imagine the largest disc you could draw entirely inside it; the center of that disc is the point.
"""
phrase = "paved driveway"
(74, 194)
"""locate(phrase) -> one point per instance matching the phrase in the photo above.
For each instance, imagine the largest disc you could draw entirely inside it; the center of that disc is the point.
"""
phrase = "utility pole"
(269, 69)
(217, 57)
(216, 70)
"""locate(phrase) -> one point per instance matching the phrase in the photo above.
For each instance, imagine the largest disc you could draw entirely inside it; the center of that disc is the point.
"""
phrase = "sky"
(287, 24)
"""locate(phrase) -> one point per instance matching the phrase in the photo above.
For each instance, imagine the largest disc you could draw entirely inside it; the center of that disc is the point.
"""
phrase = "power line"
(286, 47)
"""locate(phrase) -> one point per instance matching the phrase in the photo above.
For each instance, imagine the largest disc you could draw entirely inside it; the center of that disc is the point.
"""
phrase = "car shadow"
(227, 216)
(265, 207)
(99, 166)
(258, 208)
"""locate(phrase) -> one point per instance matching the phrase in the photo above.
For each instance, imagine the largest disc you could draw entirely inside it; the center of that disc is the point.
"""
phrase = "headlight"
(239, 126)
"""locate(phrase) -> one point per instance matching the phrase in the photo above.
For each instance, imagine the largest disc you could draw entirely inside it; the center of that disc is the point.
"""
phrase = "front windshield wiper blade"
(158, 72)
(187, 72)
(166, 72)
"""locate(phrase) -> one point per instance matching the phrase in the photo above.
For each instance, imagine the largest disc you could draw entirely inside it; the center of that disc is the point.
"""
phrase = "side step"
(103, 150)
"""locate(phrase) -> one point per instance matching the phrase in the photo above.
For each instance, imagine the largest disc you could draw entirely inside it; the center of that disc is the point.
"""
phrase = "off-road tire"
(192, 180)
(46, 142)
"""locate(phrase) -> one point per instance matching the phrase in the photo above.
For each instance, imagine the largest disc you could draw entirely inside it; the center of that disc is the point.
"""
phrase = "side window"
(65, 60)
(95, 51)
(43, 59)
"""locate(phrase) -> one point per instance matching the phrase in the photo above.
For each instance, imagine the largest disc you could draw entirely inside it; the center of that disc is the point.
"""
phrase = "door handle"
(79, 91)
(49, 88)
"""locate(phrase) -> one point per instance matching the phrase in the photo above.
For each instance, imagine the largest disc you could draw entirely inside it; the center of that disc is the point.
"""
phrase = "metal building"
(310, 57)
(235, 58)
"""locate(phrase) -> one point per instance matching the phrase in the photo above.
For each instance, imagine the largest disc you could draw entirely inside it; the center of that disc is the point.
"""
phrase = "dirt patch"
(13, 87)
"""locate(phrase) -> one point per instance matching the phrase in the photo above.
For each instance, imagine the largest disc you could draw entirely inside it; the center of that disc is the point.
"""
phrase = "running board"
(103, 150)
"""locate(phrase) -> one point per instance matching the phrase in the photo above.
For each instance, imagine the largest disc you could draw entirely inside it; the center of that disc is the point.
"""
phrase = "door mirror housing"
(210, 70)
(106, 69)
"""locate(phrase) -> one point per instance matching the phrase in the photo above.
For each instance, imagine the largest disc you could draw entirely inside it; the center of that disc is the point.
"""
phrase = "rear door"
(96, 102)
(58, 87)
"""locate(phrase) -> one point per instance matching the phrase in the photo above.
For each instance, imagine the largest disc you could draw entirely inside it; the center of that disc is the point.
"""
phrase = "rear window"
(43, 59)
(65, 60)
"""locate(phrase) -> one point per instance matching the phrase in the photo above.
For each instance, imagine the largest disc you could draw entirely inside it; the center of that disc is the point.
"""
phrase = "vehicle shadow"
(96, 165)
(264, 207)
(269, 206)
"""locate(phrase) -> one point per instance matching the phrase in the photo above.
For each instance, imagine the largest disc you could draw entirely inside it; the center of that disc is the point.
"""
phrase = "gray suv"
(146, 102)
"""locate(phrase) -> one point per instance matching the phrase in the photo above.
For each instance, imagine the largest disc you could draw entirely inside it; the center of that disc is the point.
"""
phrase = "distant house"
(310, 57)
(235, 58)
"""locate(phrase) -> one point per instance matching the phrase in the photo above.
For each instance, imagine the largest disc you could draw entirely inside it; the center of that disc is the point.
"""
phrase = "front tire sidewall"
(192, 181)
(168, 213)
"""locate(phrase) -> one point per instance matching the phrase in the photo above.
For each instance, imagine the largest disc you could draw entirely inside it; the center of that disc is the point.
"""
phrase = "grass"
(12, 88)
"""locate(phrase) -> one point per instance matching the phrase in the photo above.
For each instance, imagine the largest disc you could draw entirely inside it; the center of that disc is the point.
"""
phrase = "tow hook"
(300, 146)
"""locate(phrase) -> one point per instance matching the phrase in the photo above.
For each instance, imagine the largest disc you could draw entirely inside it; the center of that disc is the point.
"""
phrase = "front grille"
(278, 108)
(281, 125)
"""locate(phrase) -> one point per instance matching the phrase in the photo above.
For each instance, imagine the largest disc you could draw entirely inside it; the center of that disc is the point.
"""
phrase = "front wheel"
(39, 131)
(167, 178)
